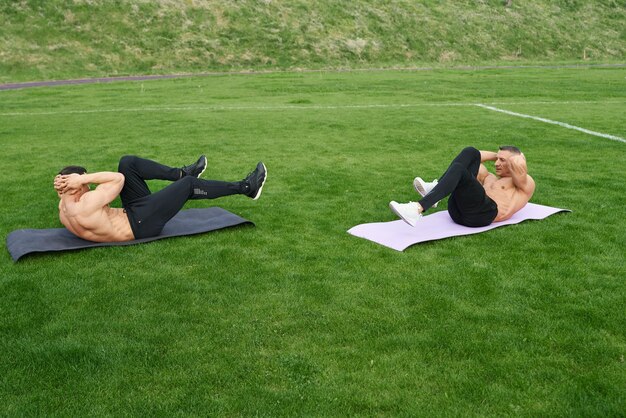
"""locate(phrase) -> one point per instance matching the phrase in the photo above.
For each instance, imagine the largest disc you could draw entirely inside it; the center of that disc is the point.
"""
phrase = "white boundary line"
(293, 107)
(554, 122)
(333, 107)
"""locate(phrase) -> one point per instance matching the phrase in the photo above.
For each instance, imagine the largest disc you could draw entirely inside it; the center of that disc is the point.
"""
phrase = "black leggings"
(468, 205)
(149, 212)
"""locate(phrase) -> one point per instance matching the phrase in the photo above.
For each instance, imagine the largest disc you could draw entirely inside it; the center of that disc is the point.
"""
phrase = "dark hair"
(71, 169)
(510, 148)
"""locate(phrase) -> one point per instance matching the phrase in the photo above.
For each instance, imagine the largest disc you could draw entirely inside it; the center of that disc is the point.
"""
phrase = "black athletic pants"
(149, 212)
(468, 204)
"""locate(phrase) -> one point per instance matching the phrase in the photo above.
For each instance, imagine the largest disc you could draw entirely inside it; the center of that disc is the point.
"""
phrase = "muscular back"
(86, 213)
(104, 224)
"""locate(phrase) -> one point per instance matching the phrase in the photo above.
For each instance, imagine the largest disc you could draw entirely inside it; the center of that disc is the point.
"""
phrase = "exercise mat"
(398, 235)
(187, 222)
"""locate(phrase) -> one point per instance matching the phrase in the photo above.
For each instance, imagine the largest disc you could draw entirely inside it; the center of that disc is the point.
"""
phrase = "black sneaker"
(253, 183)
(196, 169)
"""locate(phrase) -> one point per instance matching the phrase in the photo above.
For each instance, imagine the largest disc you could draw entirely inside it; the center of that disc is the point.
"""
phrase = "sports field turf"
(295, 316)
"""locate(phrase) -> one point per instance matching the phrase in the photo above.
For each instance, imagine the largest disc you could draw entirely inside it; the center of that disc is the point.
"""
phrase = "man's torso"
(104, 225)
(508, 198)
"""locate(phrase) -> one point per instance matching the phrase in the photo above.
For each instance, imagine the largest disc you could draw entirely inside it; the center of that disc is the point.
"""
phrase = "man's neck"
(70, 199)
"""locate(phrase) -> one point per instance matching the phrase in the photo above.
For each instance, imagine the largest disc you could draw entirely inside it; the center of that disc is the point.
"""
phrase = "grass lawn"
(295, 316)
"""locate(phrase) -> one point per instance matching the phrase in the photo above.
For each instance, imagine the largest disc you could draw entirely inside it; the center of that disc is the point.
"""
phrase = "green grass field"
(295, 316)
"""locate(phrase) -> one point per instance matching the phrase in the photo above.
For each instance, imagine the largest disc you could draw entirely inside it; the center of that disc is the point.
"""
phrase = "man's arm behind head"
(109, 186)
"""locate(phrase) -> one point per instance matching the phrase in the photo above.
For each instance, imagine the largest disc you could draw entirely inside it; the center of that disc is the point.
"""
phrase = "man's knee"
(187, 182)
(126, 162)
(471, 151)
(469, 156)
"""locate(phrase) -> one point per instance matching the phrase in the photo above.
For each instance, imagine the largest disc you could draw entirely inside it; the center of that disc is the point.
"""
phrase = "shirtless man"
(477, 197)
(87, 214)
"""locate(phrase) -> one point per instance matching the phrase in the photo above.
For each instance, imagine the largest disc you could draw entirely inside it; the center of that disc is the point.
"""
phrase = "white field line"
(554, 122)
(285, 107)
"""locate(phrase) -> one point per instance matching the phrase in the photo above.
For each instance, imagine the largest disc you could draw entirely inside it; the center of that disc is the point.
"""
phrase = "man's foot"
(253, 183)
(424, 188)
(409, 212)
(196, 169)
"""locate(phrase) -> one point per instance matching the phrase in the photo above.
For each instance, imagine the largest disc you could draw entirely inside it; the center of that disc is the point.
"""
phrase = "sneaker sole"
(258, 193)
(393, 209)
(206, 163)
(419, 188)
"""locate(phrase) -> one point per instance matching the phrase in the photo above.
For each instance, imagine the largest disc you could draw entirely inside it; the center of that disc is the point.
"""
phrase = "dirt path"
(15, 86)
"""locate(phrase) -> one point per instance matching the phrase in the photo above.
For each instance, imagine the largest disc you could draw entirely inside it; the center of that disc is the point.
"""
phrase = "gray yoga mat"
(186, 222)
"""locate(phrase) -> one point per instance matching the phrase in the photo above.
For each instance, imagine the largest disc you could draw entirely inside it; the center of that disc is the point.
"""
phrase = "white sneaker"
(424, 188)
(407, 211)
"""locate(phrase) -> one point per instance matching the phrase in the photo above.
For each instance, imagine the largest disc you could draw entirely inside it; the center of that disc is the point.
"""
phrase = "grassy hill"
(53, 39)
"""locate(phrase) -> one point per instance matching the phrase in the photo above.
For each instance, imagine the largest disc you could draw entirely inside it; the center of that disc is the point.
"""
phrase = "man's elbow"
(119, 178)
(488, 156)
(118, 181)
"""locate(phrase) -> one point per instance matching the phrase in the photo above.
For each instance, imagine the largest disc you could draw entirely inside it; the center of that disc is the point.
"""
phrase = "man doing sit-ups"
(477, 197)
(87, 214)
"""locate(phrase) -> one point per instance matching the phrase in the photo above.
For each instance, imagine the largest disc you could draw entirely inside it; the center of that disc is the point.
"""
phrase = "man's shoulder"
(491, 180)
(93, 200)
(86, 205)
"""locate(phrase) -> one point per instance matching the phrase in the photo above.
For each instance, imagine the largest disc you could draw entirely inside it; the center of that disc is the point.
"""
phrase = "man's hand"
(69, 184)
(517, 163)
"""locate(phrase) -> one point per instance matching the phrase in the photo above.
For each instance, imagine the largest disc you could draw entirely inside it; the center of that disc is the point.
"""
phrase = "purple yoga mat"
(399, 235)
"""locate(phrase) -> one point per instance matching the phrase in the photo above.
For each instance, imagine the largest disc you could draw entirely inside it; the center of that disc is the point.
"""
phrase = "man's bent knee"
(126, 162)
(190, 185)
(471, 150)
(469, 154)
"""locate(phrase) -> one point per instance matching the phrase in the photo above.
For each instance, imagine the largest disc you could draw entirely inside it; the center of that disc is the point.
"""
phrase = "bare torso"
(86, 213)
(508, 198)
(104, 225)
